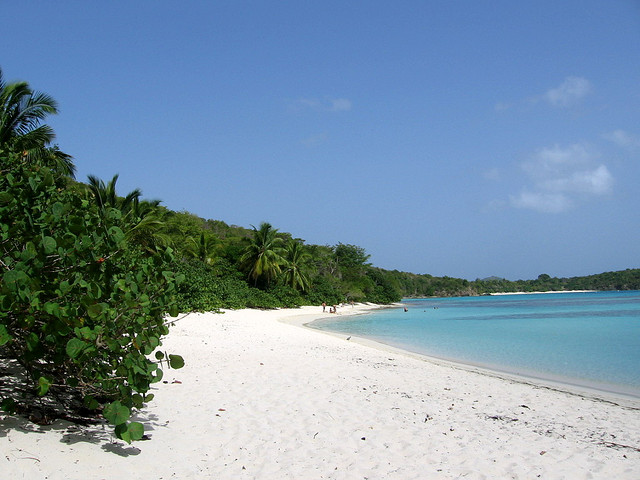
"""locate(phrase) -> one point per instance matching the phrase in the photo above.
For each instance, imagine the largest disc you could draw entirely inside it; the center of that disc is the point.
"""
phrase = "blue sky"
(459, 138)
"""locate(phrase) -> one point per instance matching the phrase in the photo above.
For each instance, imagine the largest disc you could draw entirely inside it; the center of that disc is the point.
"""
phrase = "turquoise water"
(583, 339)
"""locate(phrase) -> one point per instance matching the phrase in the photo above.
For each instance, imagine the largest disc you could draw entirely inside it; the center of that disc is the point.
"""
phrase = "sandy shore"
(261, 398)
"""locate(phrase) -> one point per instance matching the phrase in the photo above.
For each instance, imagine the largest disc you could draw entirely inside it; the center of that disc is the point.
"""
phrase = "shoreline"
(559, 383)
(511, 293)
(261, 398)
(545, 292)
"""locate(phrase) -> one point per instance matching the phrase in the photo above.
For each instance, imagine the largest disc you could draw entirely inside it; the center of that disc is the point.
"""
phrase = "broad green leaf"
(5, 197)
(122, 432)
(65, 287)
(114, 213)
(6, 302)
(49, 244)
(4, 335)
(137, 400)
(130, 432)
(153, 342)
(13, 278)
(176, 361)
(31, 248)
(159, 355)
(86, 333)
(157, 377)
(116, 234)
(52, 309)
(58, 209)
(144, 300)
(136, 430)
(94, 310)
(116, 413)
(74, 347)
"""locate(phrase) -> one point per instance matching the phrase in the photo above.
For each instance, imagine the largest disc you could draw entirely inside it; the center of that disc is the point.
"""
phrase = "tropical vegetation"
(83, 304)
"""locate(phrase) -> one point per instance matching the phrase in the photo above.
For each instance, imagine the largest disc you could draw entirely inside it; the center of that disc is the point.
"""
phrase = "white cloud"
(561, 177)
(557, 161)
(592, 182)
(326, 104)
(542, 201)
(571, 91)
(623, 139)
(312, 103)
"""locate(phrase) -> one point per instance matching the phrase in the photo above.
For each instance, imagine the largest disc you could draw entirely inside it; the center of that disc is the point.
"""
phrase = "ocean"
(582, 339)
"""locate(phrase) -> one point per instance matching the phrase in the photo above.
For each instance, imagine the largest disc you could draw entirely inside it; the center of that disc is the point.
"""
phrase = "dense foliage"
(81, 308)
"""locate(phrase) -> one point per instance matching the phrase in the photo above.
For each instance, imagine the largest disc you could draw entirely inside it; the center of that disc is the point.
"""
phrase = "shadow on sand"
(13, 383)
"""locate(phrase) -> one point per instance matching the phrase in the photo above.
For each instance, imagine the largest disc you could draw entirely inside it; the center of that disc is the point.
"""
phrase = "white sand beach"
(261, 398)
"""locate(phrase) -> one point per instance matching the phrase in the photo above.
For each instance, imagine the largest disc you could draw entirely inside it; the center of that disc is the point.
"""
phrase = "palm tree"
(21, 113)
(105, 195)
(294, 273)
(263, 256)
(141, 216)
(55, 159)
(203, 249)
(148, 226)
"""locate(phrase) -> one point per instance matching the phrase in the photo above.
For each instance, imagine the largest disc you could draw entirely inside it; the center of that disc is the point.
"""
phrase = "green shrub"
(287, 296)
(323, 290)
(81, 309)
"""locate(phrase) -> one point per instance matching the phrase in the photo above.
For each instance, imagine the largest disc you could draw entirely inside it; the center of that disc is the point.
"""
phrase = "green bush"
(323, 290)
(200, 290)
(82, 310)
(209, 288)
(287, 296)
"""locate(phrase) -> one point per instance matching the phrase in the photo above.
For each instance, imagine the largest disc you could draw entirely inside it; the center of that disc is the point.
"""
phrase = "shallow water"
(589, 339)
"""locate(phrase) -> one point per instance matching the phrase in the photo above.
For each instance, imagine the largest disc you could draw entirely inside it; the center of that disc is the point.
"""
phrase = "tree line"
(88, 276)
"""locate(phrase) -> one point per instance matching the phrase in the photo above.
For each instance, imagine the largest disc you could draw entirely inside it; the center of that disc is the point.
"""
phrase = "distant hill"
(412, 285)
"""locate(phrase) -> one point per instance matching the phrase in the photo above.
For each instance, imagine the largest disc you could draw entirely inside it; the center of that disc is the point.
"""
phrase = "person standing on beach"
(324, 306)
